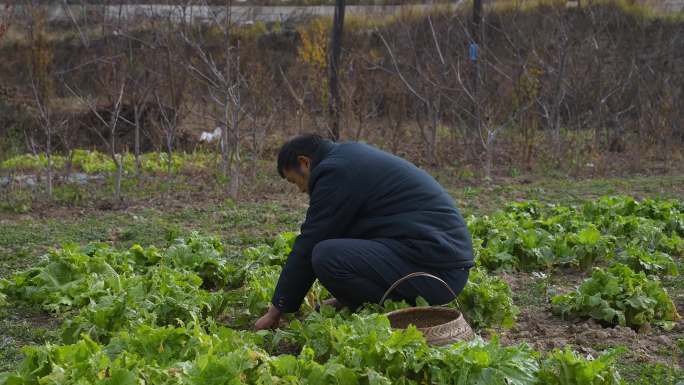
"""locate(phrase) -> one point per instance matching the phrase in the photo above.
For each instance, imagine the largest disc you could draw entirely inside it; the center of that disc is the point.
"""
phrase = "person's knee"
(321, 257)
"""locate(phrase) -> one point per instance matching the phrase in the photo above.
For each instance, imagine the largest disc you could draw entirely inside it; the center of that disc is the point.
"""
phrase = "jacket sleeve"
(332, 208)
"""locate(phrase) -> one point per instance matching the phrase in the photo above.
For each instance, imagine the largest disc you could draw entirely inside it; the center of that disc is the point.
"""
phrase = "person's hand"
(269, 320)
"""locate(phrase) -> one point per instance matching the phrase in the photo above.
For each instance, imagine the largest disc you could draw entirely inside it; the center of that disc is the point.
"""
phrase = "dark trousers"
(357, 270)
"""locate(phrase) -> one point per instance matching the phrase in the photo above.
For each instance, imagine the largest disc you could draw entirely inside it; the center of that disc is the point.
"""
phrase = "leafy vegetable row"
(145, 315)
(337, 349)
(94, 162)
(619, 296)
(529, 236)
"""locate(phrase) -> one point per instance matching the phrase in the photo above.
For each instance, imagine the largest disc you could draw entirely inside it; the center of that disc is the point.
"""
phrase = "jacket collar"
(320, 154)
(317, 157)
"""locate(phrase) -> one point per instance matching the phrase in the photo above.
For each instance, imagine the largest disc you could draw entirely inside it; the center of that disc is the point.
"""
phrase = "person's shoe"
(331, 302)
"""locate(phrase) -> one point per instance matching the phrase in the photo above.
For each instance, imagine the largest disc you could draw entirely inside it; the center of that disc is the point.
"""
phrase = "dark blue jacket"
(358, 191)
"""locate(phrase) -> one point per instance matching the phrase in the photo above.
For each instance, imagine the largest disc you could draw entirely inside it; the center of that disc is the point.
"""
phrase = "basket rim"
(426, 309)
(456, 329)
(456, 317)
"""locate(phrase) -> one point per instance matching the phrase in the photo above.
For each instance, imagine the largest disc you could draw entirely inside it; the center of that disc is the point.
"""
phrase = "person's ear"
(304, 163)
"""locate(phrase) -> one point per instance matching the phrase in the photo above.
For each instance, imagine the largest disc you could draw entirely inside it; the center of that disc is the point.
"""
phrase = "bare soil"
(541, 329)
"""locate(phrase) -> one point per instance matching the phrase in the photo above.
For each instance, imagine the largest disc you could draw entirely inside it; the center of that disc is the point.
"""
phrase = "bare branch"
(67, 9)
(396, 67)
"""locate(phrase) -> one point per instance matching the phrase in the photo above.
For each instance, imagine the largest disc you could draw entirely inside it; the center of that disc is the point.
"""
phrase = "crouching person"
(372, 218)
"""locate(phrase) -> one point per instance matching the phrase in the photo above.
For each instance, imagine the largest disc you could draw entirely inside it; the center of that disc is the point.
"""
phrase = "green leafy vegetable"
(619, 296)
(487, 301)
(565, 367)
(145, 315)
(530, 236)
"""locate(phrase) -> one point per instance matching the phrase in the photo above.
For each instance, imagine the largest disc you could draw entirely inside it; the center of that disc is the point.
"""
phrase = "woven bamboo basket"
(440, 325)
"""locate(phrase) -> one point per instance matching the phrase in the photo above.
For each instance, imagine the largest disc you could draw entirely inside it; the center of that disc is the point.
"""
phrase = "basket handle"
(416, 274)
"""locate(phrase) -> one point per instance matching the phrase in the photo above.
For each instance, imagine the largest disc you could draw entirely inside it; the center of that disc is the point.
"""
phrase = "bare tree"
(362, 99)
(430, 72)
(141, 81)
(264, 104)
(48, 126)
(501, 103)
(40, 73)
(303, 109)
(140, 98)
(393, 108)
(438, 74)
(221, 76)
(169, 97)
(67, 141)
(555, 65)
(476, 42)
(424, 88)
(81, 33)
(170, 112)
(112, 121)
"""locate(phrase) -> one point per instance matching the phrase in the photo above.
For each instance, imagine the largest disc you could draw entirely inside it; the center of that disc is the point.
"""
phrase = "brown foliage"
(575, 86)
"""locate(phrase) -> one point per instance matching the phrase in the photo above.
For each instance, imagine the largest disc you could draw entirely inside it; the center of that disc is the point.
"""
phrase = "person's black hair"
(302, 145)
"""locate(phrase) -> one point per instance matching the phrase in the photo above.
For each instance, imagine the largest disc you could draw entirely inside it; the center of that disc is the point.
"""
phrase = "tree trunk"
(334, 58)
(136, 116)
(359, 128)
(476, 33)
(235, 158)
(48, 153)
(489, 156)
(255, 150)
(169, 161)
(599, 125)
(557, 100)
(432, 156)
(117, 158)
(224, 137)
(234, 188)
(69, 164)
(119, 176)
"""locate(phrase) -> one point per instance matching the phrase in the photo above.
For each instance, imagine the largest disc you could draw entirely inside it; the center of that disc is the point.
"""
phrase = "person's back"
(403, 206)
(373, 218)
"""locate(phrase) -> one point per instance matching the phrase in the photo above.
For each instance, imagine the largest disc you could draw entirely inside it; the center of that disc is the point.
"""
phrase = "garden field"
(577, 283)
(143, 225)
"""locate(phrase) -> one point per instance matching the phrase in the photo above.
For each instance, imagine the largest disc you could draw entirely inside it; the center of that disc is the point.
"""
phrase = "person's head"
(294, 159)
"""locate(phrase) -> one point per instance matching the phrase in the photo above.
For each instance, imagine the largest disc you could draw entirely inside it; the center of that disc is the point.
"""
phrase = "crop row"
(94, 162)
(145, 315)
(180, 315)
(532, 236)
